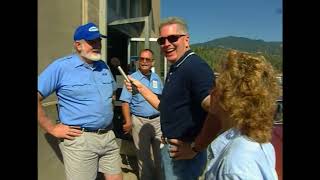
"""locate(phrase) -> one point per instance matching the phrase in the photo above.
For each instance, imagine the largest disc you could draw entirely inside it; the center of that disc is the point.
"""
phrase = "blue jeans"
(189, 169)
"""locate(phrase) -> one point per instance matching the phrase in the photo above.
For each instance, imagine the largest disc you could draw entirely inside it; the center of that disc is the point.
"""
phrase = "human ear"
(78, 46)
(187, 41)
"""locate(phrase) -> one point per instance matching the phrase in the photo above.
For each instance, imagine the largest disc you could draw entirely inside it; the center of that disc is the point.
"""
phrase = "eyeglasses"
(171, 38)
(143, 58)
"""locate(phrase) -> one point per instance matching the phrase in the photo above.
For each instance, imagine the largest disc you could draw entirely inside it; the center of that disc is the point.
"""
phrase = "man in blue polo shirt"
(183, 104)
(84, 86)
(144, 120)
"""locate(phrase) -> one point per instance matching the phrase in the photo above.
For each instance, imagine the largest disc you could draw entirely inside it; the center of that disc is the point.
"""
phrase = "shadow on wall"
(54, 144)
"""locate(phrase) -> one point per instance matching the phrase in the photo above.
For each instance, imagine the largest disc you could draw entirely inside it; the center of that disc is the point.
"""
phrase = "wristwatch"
(193, 147)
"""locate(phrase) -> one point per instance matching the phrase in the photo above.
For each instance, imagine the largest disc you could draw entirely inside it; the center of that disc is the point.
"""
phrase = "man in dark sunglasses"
(183, 104)
(171, 39)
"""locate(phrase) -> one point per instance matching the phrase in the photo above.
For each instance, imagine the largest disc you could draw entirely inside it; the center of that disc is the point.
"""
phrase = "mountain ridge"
(215, 51)
(244, 44)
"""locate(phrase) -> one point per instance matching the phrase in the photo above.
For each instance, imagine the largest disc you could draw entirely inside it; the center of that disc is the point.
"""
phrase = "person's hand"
(133, 85)
(180, 150)
(127, 127)
(128, 84)
(137, 83)
(65, 132)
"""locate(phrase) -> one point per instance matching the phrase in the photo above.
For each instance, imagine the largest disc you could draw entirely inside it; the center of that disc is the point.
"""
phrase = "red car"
(277, 139)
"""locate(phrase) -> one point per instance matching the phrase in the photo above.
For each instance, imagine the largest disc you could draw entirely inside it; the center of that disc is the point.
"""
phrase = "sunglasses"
(171, 38)
(143, 58)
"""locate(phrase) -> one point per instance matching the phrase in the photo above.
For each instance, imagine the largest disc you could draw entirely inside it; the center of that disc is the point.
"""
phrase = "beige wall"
(156, 17)
(155, 33)
(93, 11)
(57, 20)
(50, 165)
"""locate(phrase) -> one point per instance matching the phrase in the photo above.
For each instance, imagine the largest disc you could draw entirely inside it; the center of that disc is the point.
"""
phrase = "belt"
(98, 131)
(149, 117)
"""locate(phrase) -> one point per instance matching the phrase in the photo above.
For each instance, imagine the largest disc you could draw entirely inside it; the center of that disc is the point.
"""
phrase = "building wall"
(156, 17)
(155, 6)
(57, 21)
(93, 11)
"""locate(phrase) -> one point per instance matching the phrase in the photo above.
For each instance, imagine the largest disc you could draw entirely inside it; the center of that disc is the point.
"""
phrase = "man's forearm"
(148, 95)
(126, 112)
(44, 121)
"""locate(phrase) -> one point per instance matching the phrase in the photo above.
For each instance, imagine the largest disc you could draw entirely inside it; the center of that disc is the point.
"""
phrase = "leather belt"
(98, 131)
(149, 117)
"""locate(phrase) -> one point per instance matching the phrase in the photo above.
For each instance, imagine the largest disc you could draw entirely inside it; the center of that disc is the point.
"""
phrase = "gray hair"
(175, 20)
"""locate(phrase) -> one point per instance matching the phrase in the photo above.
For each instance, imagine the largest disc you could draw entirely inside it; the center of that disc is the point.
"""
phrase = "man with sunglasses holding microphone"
(183, 104)
(144, 120)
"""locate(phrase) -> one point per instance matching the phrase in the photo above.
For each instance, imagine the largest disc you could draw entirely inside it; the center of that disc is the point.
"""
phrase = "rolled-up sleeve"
(48, 80)
(125, 95)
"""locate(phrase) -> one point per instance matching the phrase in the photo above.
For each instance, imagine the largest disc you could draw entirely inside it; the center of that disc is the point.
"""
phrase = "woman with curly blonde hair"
(244, 102)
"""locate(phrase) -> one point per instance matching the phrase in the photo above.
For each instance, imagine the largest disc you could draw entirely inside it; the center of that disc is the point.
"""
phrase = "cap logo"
(93, 28)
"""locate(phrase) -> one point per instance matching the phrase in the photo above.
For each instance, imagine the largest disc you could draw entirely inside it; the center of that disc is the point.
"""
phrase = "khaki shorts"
(85, 154)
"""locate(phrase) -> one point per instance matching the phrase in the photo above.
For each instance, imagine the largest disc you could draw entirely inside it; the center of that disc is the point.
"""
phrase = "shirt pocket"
(155, 86)
(105, 86)
(77, 90)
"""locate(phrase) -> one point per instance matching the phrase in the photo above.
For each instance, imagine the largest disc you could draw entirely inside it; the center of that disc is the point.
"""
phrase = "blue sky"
(211, 19)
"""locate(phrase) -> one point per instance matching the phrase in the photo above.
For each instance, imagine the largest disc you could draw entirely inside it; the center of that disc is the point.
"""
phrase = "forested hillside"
(215, 51)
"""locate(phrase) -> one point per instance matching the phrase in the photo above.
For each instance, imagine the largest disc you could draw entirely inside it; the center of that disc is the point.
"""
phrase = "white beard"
(91, 56)
(94, 56)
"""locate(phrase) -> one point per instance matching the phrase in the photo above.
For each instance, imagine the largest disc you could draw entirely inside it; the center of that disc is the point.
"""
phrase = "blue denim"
(189, 169)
